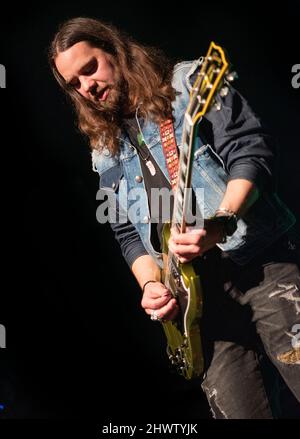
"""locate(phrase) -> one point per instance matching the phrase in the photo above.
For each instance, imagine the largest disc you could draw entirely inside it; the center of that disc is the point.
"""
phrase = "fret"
(179, 191)
(186, 130)
(186, 133)
(183, 168)
(178, 218)
(186, 137)
(183, 164)
(178, 206)
(179, 196)
(178, 209)
(188, 120)
(194, 106)
(185, 149)
(181, 186)
(187, 204)
(177, 226)
(183, 159)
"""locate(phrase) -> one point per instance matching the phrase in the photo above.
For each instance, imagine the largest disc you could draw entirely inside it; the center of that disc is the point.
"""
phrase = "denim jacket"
(263, 223)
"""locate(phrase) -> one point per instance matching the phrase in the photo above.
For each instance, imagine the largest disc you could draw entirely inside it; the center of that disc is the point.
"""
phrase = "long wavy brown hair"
(146, 79)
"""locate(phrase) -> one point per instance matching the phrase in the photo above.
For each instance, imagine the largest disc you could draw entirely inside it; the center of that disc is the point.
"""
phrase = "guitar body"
(183, 334)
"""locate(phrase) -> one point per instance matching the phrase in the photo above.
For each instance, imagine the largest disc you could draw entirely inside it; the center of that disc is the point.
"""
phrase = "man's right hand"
(158, 298)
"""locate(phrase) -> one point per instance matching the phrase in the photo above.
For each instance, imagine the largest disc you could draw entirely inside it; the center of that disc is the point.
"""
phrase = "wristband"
(228, 219)
(148, 282)
(223, 211)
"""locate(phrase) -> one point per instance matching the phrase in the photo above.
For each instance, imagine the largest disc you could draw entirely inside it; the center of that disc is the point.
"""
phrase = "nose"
(87, 84)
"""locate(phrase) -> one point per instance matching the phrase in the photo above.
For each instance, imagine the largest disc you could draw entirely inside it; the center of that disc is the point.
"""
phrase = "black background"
(78, 344)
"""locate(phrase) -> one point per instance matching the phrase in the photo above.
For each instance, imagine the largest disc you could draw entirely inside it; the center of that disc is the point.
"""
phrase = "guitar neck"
(182, 198)
(182, 201)
(202, 96)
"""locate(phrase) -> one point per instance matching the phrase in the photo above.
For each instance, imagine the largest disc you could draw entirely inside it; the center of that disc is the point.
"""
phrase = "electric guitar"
(183, 333)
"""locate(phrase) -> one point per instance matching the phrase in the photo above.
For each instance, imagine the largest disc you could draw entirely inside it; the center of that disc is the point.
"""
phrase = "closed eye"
(88, 69)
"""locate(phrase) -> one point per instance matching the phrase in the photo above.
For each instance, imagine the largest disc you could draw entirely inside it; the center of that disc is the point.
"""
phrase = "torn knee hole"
(290, 357)
(216, 411)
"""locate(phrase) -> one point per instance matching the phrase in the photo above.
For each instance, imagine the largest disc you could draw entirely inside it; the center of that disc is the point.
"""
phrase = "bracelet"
(228, 220)
(222, 210)
(148, 282)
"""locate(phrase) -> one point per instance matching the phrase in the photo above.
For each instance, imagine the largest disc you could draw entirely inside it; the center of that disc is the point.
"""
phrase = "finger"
(165, 310)
(188, 238)
(156, 299)
(157, 303)
(172, 314)
(188, 258)
(184, 250)
(193, 229)
(168, 308)
(154, 290)
(188, 230)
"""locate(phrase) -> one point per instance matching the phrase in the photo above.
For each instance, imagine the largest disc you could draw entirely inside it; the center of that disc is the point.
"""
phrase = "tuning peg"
(217, 106)
(231, 76)
(201, 100)
(224, 91)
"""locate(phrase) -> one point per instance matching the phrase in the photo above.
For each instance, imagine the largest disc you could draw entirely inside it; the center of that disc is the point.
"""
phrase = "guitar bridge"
(178, 359)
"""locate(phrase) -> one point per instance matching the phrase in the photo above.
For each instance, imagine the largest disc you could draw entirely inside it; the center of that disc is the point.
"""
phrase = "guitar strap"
(168, 141)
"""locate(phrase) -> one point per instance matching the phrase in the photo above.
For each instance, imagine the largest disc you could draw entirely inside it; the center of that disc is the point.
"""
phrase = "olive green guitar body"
(183, 334)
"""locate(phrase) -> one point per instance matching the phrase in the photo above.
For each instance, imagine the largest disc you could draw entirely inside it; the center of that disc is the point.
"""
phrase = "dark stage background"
(78, 343)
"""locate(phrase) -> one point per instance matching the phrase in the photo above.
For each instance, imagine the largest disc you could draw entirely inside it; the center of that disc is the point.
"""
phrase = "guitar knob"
(224, 91)
(231, 76)
(217, 106)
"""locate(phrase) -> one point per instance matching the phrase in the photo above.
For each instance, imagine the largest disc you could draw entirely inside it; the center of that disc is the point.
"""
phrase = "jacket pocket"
(110, 178)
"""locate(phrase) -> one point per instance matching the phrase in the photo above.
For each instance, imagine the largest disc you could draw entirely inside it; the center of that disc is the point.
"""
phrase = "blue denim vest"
(264, 222)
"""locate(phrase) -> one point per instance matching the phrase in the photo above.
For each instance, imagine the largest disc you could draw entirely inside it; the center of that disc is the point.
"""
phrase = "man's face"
(91, 72)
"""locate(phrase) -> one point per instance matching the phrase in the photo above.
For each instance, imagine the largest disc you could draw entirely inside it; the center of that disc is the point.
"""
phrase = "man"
(122, 93)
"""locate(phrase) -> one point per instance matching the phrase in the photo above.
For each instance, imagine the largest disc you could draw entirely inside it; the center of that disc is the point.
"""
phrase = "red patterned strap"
(168, 141)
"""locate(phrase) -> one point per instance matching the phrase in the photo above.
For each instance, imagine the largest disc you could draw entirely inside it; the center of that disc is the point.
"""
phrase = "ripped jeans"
(251, 331)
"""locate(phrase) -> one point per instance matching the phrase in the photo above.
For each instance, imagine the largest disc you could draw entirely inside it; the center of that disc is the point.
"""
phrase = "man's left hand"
(193, 243)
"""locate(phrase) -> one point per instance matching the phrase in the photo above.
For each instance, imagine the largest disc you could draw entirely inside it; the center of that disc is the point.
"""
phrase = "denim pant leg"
(270, 285)
(233, 383)
(275, 303)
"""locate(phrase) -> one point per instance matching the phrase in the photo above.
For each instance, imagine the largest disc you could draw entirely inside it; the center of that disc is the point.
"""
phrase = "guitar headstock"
(210, 80)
